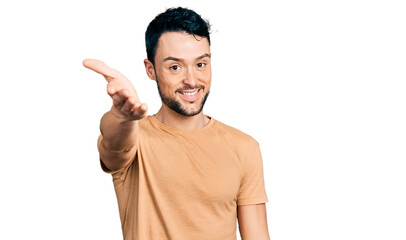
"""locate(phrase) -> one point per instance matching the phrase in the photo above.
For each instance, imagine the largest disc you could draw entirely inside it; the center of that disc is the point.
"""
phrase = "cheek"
(166, 83)
(168, 88)
(206, 78)
(207, 75)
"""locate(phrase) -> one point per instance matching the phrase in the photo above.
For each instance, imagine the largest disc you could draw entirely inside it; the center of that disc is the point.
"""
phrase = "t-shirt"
(186, 184)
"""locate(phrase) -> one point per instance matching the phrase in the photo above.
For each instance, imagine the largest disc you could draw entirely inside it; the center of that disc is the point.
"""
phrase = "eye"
(175, 67)
(200, 65)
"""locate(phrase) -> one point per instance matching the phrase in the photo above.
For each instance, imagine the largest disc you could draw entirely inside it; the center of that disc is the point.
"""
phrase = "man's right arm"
(119, 126)
(117, 142)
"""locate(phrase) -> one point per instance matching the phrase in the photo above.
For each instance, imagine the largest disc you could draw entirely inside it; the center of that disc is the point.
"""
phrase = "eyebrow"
(180, 60)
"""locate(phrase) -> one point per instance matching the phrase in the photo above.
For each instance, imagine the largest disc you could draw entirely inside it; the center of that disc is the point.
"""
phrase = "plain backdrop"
(319, 84)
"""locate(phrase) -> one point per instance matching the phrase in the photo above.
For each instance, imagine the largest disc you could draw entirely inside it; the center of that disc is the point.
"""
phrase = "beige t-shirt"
(186, 184)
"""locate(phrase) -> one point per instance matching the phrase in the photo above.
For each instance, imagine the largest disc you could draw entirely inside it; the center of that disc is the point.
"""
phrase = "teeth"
(190, 93)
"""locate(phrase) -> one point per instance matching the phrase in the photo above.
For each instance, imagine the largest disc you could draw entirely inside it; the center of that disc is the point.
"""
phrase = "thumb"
(100, 67)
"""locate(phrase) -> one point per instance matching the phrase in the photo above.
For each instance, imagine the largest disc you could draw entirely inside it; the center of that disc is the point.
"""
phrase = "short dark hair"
(174, 20)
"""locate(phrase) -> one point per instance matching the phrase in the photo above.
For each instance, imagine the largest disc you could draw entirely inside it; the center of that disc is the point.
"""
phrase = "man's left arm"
(252, 222)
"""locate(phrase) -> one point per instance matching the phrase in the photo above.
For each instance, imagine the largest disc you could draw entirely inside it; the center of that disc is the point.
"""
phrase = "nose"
(190, 78)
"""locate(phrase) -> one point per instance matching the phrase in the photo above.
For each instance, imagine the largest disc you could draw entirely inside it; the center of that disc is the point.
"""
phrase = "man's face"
(183, 72)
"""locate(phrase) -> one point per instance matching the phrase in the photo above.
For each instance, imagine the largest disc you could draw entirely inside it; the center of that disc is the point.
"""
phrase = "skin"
(252, 222)
(182, 63)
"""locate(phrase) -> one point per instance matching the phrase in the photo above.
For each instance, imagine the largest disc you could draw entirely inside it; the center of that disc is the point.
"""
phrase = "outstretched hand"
(125, 99)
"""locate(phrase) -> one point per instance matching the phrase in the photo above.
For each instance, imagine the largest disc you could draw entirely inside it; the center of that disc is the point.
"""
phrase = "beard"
(176, 106)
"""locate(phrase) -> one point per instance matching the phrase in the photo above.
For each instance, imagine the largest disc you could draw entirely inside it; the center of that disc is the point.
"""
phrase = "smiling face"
(182, 71)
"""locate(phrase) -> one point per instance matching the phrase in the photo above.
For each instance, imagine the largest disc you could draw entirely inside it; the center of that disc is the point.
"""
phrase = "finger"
(140, 110)
(128, 106)
(117, 89)
(119, 99)
(100, 67)
(115, 86)
(111, 90)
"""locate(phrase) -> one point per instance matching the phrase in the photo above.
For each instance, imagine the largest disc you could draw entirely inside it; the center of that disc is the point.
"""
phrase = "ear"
(149, 68)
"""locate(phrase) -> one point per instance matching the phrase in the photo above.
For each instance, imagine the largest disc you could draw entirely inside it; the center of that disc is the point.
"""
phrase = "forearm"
(119, 134)
(119, 126)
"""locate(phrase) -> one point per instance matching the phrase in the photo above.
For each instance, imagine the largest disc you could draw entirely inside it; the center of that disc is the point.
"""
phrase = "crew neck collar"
(156, 121)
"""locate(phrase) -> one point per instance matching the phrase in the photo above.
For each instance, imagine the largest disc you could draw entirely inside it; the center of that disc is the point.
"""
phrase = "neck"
(173, 119)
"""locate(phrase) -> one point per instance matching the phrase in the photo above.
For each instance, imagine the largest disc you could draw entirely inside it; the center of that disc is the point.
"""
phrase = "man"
(179, 174)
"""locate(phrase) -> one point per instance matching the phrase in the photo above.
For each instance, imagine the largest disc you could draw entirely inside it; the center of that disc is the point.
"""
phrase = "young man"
(179, 174)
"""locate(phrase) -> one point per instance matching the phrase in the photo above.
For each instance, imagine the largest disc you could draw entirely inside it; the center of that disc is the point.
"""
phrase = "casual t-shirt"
(186, 184)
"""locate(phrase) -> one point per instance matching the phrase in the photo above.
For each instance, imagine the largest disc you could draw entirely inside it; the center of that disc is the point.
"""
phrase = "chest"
(192, 169)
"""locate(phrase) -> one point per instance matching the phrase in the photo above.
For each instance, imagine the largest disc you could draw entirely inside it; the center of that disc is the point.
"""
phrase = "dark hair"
(174, 20)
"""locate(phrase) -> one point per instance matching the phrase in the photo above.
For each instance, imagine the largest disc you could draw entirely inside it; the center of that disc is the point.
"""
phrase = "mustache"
(188, 87)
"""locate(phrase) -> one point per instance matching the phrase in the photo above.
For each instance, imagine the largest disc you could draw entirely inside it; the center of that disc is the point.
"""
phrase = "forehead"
(181, 45)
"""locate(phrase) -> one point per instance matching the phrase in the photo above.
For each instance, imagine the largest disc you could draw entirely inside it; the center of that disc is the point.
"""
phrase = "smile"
(190, 95)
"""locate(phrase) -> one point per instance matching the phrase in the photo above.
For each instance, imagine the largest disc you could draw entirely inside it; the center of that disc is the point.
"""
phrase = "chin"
(179, 105)
(181, 109)
(191, 112)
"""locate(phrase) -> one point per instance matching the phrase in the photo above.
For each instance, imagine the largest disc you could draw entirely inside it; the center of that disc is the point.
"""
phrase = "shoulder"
(149, 124)
(148, 130)
(234, 134)
(145, 122)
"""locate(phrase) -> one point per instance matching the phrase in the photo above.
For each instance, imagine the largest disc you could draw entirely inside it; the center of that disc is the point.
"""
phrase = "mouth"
(189, 92)
(190, 95)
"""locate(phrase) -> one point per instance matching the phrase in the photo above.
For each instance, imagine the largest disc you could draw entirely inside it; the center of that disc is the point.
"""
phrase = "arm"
(119, 126)
(252, 222)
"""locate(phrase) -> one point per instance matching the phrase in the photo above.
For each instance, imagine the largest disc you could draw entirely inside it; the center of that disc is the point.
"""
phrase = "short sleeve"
(117, 174)
(252, 187)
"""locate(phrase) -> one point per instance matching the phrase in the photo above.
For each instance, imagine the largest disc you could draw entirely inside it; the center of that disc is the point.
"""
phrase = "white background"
(319, 84)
